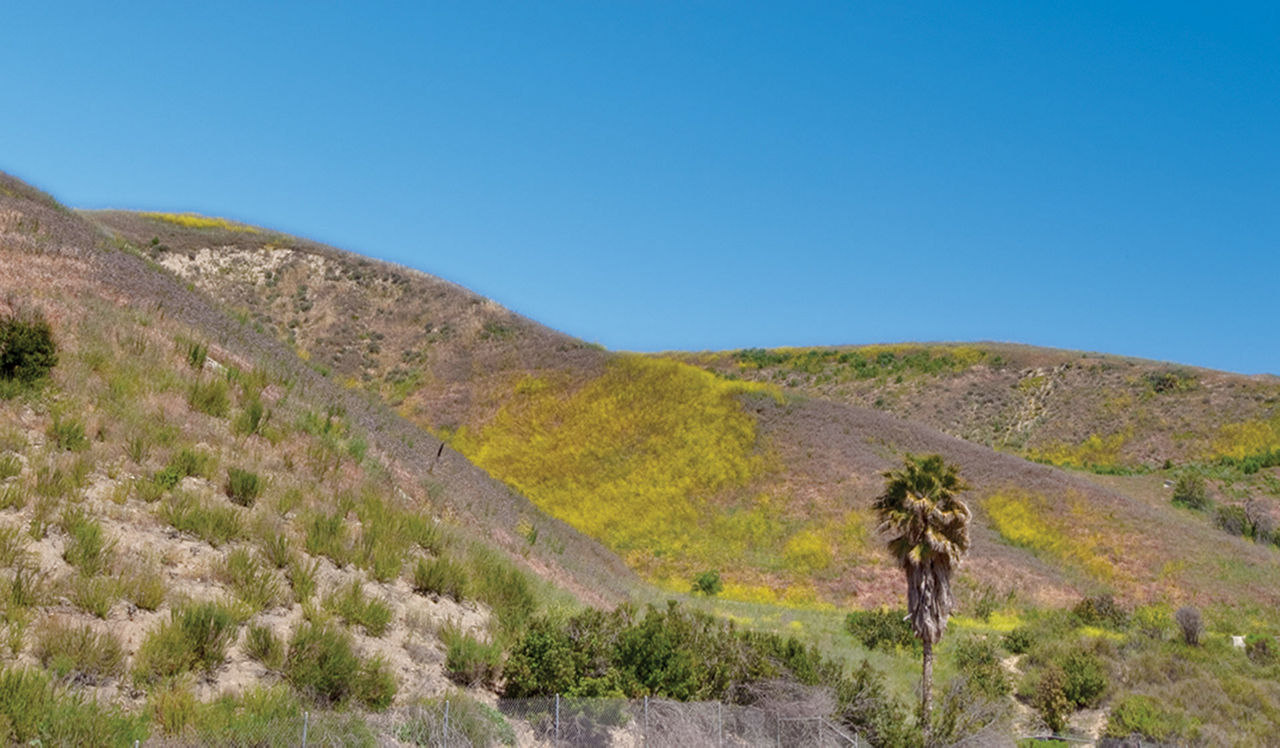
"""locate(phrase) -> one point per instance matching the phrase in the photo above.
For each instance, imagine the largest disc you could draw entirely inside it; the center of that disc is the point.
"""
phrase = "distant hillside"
(763, 464)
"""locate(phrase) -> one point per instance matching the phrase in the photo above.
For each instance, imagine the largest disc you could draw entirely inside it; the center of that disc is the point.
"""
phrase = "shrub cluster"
(322, 665)
(195, 637)
(883, 627)
(27, 348)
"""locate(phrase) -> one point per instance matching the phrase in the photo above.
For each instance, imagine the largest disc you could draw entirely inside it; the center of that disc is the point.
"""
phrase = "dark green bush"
(195, 637)
(440, 576)
(708, 583)
(322, 665)
(27, 348)
(1086, 678)
(243, 486)
(1020, 640)
(979, 663)
(1100, 610)
(880, 628)
(1190, 491)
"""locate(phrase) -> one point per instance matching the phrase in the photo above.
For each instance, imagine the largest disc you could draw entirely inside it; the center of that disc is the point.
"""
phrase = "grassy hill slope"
(763, 464)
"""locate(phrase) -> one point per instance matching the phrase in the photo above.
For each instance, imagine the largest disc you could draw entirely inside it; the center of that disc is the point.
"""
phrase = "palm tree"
(928, 534)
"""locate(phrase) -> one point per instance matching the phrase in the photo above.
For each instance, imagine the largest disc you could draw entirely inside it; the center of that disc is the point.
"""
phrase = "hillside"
(183, 501)
(763, 464)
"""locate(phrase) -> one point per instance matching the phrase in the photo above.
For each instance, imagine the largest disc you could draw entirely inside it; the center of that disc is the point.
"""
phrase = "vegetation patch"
(1030, 521)
(195, 221)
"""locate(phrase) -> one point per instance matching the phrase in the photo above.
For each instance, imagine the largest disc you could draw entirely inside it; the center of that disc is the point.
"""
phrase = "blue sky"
(705, 175)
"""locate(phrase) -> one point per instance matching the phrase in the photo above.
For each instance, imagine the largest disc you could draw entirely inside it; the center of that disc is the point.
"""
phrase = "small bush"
(144, 587)
(375, 686)
(210, 397)
(327, 536)
(215, 525)
(1020, 640)
(1085, 678)
(1188, 619)
(708, 583)
(504, 588)
(1261, 650)
(979, 663)
(68, 434)
(1190, 491)
(1231, 518)
(10, 466)
(1050, 700)
(13, 546)
(275, 548)
(440, 576)
(321, 664)
(197, 353)
(195, 637)
(353, 607)
(88, 548)
(265, 647)
(1100, 610)
(27, 348)
(95, 595)
(68, 649)
(302, 578)
(469, 661)
(252, 583)
(252, 418)
(880, 628)
(242, 486)
(192, 462)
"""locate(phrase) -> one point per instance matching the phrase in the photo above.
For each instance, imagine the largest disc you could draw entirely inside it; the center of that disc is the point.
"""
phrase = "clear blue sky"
(695, 175)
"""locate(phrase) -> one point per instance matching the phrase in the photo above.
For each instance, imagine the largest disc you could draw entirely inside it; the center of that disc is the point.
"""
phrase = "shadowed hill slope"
(679, 470)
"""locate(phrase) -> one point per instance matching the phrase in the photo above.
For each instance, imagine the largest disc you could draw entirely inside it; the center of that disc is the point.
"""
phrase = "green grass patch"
(195, 638)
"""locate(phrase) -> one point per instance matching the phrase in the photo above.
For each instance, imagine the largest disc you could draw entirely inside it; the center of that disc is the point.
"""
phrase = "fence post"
(646, 719)
(446, 723)
(719, 723)
(778, 722)
(557, 719)
(306, 719)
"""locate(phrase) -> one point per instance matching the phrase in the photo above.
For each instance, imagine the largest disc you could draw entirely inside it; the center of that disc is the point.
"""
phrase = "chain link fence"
(555, 722)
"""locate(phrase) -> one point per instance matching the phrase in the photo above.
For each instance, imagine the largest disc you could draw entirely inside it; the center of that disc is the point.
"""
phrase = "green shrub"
(1190, 491)
(144, 587)
(275, 547)
(66, 648)
(195, 637)
(375, 686)
(68, 434)
(13, 546)
(252, 583)
(1100, 610)
(215, 525)
(33, 711)
(242, 486)
(88, 548)
(1019, 640)
(505, 589)
(265, 647)
(979, 663)
(1050, 700)
(327, 536)
(27, 348)
(302, 578)
(322, 665)
(94, 595)
(708, 583)
(475, 721)
(252, 418)
(210, 397)
(1232, 519)
(440, 576)
(192, 462)
(880, 628)
(1085, 678)
(469, 661)
(353, 607)
(1136, 715)
(1261, 649)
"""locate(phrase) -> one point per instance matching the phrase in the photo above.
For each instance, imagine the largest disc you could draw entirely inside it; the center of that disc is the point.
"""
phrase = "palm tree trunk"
(926, 688)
